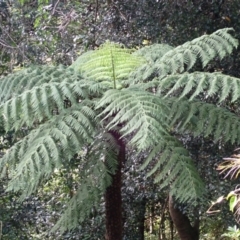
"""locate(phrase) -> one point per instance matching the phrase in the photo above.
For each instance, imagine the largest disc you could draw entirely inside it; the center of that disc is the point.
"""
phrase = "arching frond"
(96, 177)
(16, 83)
(40, 102)
(204, 119)
(110, 63)
(183, 58)
(173, 168)
(193, 84)
(141, 115)
(38, 154)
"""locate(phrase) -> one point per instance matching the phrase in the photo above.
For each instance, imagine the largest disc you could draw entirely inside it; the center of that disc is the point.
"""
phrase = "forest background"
(57, 32)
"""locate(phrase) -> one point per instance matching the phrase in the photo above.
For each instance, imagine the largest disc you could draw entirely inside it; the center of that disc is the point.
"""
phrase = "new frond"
(111, 62)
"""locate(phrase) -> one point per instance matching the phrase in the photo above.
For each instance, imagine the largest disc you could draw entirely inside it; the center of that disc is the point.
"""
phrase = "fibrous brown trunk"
(113, 199)
(182, 223)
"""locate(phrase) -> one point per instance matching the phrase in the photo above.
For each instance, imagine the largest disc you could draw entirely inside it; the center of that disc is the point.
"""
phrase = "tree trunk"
(141, 219)
(182, 223)
(113, 199)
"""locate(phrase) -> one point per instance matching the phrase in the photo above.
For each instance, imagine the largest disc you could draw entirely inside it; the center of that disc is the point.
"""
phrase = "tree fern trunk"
(113, 199)
(182, 223)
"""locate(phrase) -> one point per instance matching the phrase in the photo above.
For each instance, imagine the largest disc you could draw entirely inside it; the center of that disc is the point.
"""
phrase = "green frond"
(36, 156)
(183, 58)
(207, 47)
(153, 52)
(26, 79)
(173, 168)
(111, 63)
(141, 115)
(193, 84)
(40, 102)
(204, 119)
(96, 177)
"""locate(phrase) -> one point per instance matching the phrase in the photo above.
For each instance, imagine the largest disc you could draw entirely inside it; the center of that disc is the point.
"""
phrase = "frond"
(153, 52)
(26, 79)
(33, 158)
(111, 62)
(204, 119)
(141, 115)
(193, 84)
(173, 168)
(96, 177)
(183, 58)
(40, 103)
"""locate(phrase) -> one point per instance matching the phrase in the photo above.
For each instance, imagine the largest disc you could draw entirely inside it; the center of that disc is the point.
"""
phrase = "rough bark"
(182, 223)
(113, 199)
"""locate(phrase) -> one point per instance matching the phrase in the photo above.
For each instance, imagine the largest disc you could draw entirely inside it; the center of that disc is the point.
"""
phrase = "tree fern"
(118, 99)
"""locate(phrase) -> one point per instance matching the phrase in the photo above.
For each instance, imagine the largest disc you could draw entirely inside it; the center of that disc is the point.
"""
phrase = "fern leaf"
(183, 58)
(204, 119)
(174, 169)
(39, 103)
(26, 79)
(38, 154)
(96, 177)
(193, 84)
(141, 115)
(111, 62)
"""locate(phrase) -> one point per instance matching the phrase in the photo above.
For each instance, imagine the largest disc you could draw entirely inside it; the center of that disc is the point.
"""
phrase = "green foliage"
(233, 233)
(173, 166)
(141, 115)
